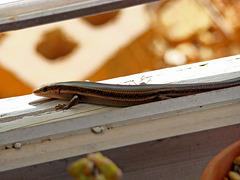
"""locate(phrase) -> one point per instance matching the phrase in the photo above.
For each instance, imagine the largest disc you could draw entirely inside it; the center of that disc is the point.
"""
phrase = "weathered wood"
(48, 135)
(176, 158)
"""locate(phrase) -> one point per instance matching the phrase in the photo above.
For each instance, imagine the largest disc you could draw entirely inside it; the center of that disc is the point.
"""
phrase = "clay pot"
(219, 166)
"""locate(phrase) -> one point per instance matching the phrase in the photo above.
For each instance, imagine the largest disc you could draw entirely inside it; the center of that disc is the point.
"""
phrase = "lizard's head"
(45, 90)
(55, 90)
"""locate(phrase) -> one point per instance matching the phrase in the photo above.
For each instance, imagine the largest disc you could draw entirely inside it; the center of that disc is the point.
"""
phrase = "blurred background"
(128, 41)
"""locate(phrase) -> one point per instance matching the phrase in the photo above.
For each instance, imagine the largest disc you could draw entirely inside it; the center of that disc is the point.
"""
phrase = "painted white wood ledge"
(46, 134)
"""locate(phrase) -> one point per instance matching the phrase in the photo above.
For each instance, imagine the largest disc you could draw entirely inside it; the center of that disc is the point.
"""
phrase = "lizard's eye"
(44, 89)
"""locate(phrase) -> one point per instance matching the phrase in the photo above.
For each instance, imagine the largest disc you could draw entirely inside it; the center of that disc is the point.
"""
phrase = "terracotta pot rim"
(219, 166)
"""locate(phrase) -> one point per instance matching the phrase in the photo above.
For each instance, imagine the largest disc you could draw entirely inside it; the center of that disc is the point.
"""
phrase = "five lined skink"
(125, 95)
